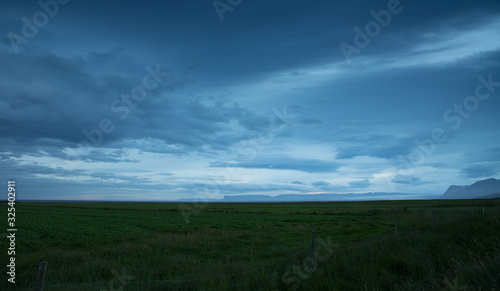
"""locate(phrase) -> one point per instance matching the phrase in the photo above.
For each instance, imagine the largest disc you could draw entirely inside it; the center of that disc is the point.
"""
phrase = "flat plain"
(439, 245)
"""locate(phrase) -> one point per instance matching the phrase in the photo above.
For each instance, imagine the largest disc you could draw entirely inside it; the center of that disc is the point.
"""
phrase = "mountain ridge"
(368, 196)
(475, 190)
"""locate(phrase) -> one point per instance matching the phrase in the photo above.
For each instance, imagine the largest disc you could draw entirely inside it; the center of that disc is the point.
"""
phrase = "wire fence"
(363, 244)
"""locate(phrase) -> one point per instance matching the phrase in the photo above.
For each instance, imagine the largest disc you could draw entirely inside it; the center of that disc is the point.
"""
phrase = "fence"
(371, 243)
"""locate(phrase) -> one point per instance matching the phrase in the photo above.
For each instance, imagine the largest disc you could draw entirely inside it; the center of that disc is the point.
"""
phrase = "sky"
(166, 100)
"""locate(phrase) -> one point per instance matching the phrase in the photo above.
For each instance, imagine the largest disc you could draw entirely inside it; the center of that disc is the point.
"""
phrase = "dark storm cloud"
(283, 34)
(49, 96)
(419, 21)
(10, 168)
(72, 98)
(481, 170)
(225, 78)
(31, 169)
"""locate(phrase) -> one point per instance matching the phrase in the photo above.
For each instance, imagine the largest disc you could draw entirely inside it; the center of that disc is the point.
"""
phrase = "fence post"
(396, 229)
(483, 210)
(41, 276)
(312, 251)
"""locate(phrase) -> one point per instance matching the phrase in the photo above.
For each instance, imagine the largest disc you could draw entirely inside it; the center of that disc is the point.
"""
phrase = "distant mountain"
(496, 195)
(324, 197)
(476, 190)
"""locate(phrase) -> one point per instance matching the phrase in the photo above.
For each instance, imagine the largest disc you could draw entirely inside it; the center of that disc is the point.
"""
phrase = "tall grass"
(251, 246)
(460, 255)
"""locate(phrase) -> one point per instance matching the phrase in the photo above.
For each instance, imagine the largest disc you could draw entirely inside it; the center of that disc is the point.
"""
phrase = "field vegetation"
(440, 245)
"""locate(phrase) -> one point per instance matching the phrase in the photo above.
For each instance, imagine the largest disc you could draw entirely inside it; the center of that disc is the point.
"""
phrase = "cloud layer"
(163, 101)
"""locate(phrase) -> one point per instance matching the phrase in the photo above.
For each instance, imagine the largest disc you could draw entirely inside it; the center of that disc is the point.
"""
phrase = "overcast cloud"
(158, 100)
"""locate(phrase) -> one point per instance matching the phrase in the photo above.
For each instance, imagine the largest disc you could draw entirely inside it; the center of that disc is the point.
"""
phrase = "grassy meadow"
(257, 246)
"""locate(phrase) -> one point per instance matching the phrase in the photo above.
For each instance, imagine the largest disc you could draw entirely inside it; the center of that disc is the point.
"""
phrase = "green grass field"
(240, 246)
